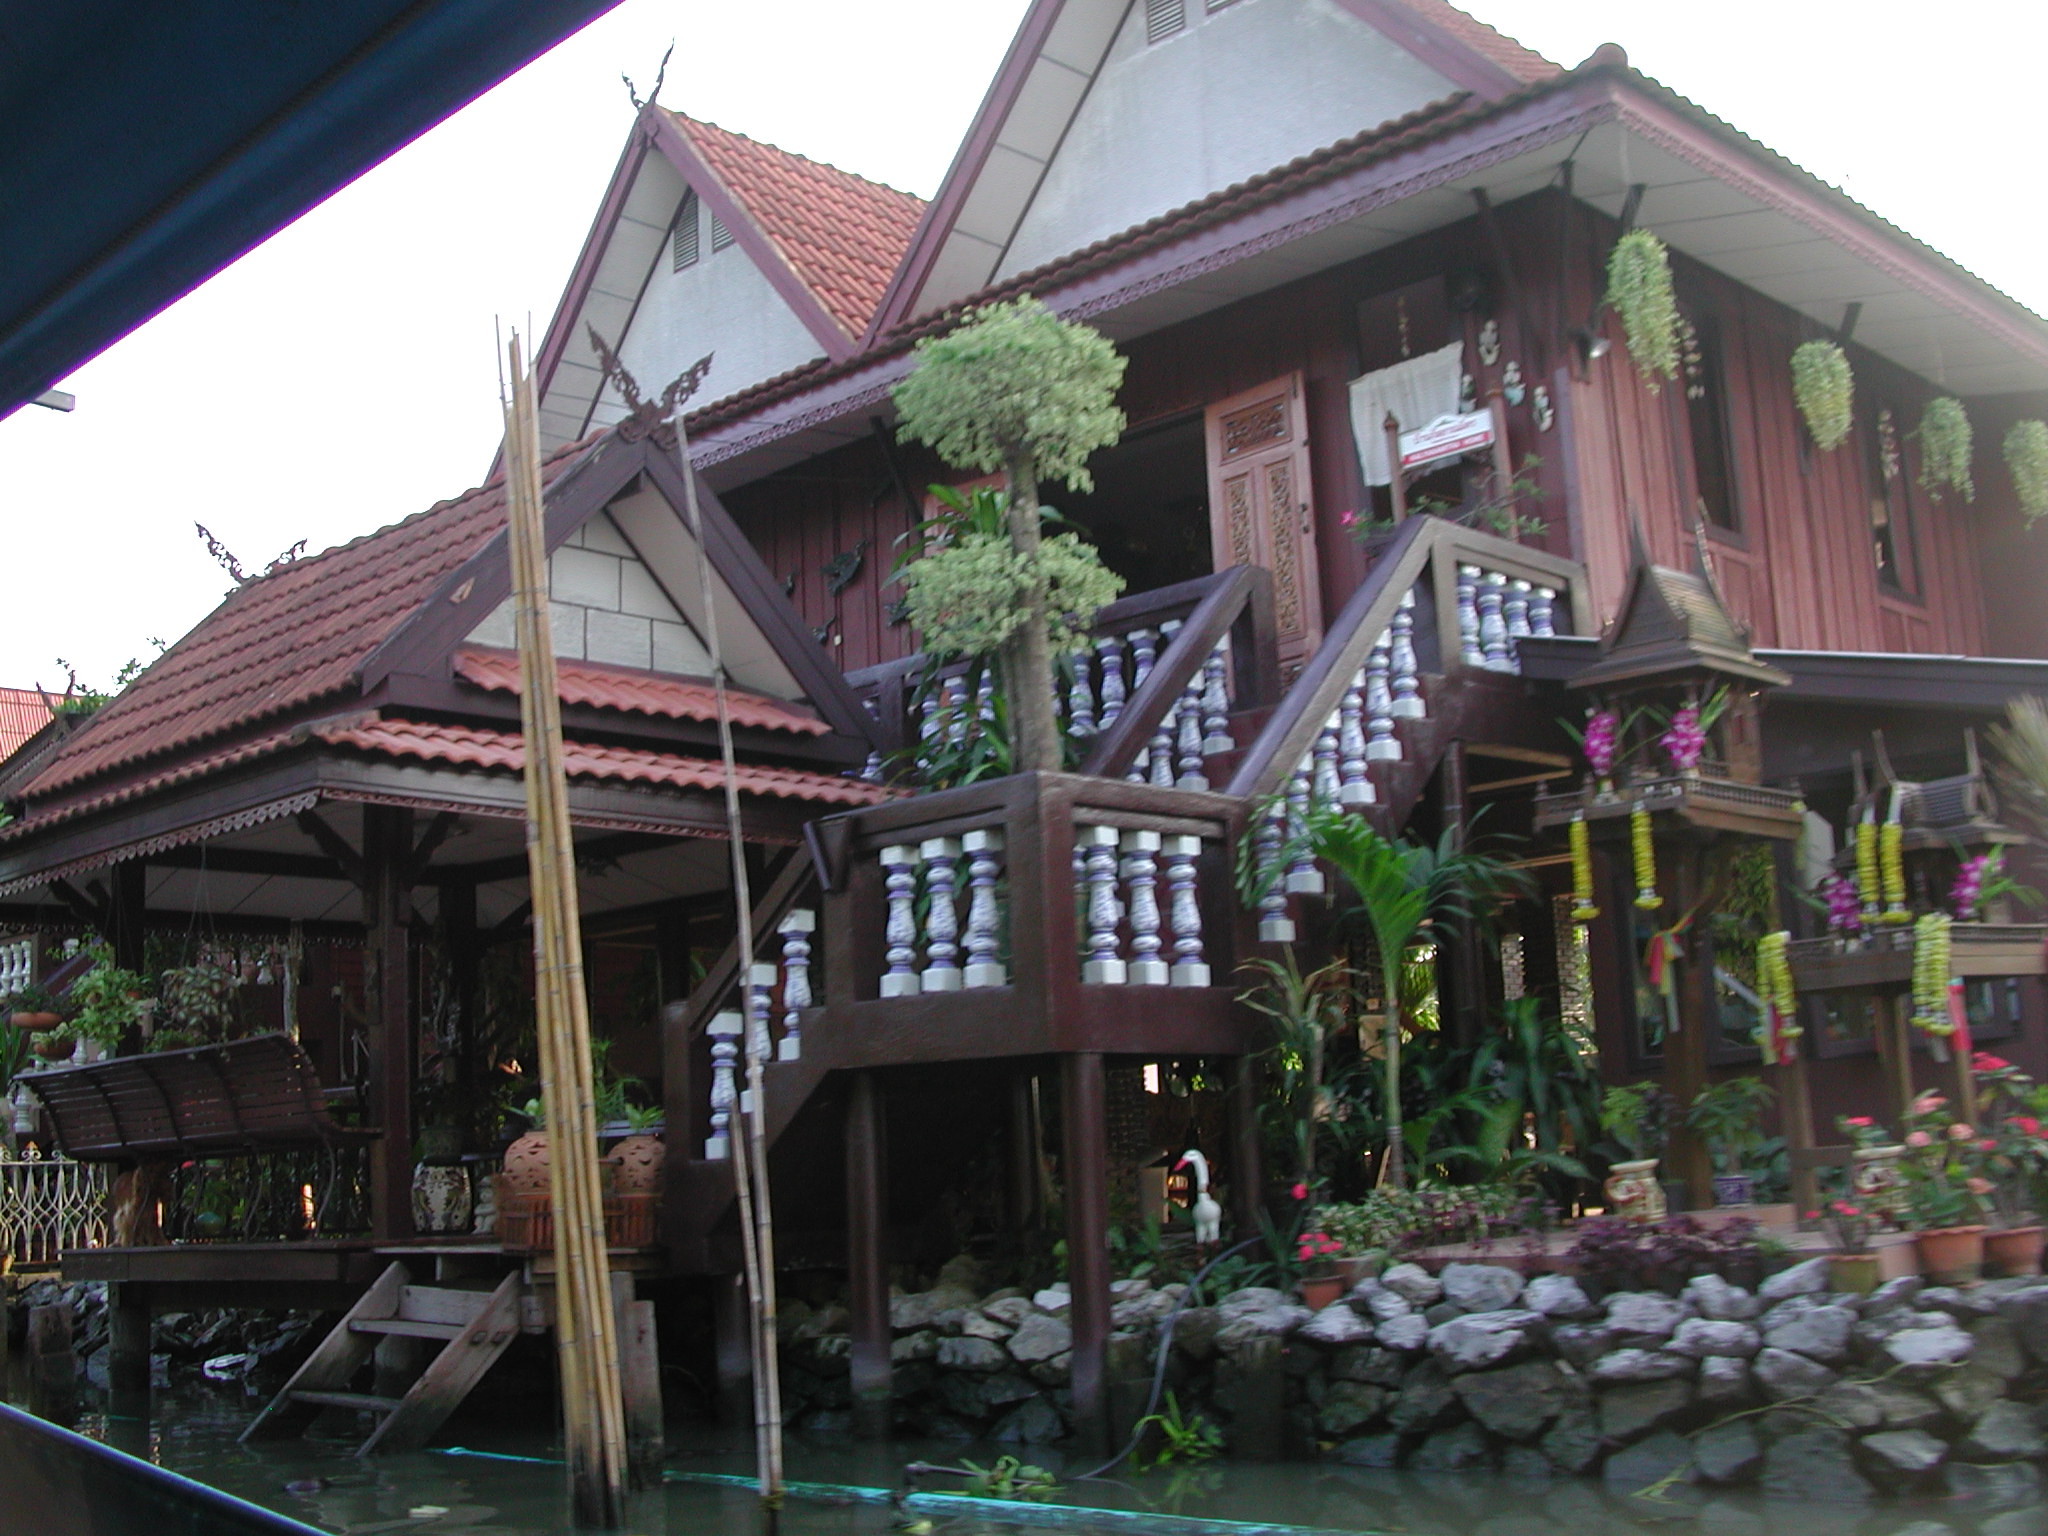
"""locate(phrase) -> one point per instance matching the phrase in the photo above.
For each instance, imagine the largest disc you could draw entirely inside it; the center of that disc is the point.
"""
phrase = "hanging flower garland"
(1602, 739)
(1583, 910)
(1780, 998)
(1684, 741)
(1639, 288)
(1825, 392)
(1866, 868)
(1645, 859)
(1891, 852)
(1946, 443)
(1967, 894)
(2026, 456)
(1845, 908)
(1930, 974)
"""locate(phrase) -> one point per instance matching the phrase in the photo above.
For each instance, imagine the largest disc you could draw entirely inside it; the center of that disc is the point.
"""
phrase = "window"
(1163, 18)
(1706, 409)
(683, 243)
(1890, 497)
(721, 237)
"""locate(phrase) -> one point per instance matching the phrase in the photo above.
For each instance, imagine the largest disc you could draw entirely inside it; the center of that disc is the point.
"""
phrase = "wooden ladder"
(474, 1327)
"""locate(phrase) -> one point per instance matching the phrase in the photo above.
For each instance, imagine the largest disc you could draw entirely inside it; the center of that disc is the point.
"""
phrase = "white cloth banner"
(1417, 392)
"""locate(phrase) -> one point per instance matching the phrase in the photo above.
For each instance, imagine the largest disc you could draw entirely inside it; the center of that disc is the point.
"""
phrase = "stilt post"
(1085, 1169)
(1247, 1175)
(387, 984)
(867, 1258)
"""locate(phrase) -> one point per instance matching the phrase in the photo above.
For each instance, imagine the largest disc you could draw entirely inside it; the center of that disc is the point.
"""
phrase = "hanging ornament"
(1603, 730)
(1780, 999)
(1646, 859)
(1930, 974)
(1845, 908)
(1683, 741)
(1546, 413)
(1866, 868)
(1489, 343)
(1511, 385)
(1967, 894)
(1891, 854)
(1583, 910)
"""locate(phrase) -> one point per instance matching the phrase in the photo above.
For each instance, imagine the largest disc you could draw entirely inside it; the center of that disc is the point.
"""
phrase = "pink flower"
(1927, 1104)
(1977, 1186)
(2027, 1125)
(1987, 1145)
(1300, 1192)
(1859, 1122)
(1917, 1139)
(1984, 1061)
(1960, 1132)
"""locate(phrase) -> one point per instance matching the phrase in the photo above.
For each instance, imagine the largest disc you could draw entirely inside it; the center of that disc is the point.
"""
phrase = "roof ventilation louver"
(683, 244)
(1163, 18)
(721, 237)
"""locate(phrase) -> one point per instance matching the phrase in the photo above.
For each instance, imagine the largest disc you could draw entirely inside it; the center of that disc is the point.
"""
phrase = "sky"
(343, 375)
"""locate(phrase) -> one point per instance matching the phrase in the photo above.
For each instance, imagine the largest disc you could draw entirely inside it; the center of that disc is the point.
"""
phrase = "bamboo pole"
(586, 1344)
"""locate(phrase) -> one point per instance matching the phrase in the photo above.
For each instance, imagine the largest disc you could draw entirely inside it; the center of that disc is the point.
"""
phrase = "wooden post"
(867, 1258)
(128, 1349)
(1247, 1173)
(1685, 1051)
(639, 1383)
(125, 910)
(1021, 1149)
(1467, 974)
(1795, 1119)
(52, 1367)
(1084, 1116)
(1396, 487)
(1895, 1054)
(387, 985)
(458, 922)
(733, 1326)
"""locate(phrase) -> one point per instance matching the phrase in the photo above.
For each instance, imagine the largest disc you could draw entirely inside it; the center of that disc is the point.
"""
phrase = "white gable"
(1236, 91)
(721, 304)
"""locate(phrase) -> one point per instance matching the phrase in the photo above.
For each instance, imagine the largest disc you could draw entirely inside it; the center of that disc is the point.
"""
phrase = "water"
(322, 1482)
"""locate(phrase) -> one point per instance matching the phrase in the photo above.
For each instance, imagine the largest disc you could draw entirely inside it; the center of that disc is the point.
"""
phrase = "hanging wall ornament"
(1546, 413)
(1511, 384)
(1639, 289)
(1645, 850)
(1583, 910)
(1825, 391)
(1489, 343)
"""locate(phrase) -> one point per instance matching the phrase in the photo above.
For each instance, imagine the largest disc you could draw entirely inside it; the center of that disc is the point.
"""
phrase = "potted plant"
(1944, 1192)
(1321, 1281)
(56, 1044)
(1728, 1116)
(196, 1001)
(2015, 1152)
(1876, 1181)
(1852, 1267)
(106, 1003)
(32, 1007)
(1635, 1116)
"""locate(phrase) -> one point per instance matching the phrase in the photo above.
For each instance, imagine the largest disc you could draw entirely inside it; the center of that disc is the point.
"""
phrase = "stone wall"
(1811, 1393)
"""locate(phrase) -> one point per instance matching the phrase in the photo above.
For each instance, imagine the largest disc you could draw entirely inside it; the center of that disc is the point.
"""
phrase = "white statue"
(1207, 1213)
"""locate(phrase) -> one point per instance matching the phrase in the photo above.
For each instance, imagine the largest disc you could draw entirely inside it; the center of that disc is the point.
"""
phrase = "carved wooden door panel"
(1260, 508)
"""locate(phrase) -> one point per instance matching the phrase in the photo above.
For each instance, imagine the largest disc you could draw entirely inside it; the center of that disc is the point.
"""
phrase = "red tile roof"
(1525, 64)
(841, 233)
(23, 712)
(628, 688)
(284, 641)
(473, 748)
(181, 772)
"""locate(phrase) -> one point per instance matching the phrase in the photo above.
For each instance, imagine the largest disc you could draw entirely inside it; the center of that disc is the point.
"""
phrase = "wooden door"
(1260, 508)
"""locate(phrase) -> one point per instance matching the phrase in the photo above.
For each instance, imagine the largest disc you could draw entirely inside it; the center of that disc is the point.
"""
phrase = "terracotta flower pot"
(637, 1162)
(55, 1050)
(1952, 1255)
(1320, 1291)
(37, 1020)
(526, 1163)
(1855, 1274)
(2014, 1251)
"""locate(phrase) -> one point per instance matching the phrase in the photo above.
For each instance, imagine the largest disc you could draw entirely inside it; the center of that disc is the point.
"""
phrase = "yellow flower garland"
(1774, 980)
(1583, 910)
(1931, 940)
(1891, 849)
(1866, 867)
(1646, 860)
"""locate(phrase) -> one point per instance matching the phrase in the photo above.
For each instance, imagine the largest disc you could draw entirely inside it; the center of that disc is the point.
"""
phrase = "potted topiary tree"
(1728, 1116)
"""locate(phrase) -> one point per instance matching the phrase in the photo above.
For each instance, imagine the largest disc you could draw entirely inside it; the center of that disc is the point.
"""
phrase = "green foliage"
(1183, 1437)
(1946, 442)
(197, 999)
(1306, 1011)
(104, 1000)
(1009, 1478)
(970, 596)
(1639, 289)
(1637, 1115)
(81, 699)
(643, 1118)
(1396, 1221)
(1825, 392)
(1015, 380)
(33, 998)
(2026, 456)
(1729, 1117)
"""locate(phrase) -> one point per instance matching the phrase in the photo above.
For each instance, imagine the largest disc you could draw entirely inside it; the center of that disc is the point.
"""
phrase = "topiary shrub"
(1824, 390)
(1639, 290)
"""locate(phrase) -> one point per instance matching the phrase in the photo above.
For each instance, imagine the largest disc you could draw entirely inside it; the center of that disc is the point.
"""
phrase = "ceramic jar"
(1877, 1182)
(637, 1163)
(440, 1199)
(526, 1164)
(1633, 1192)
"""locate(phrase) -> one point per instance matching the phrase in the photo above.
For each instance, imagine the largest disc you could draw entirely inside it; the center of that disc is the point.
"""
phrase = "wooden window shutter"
(1260, 507)
(683, 244)
(721, 237)
(1163, 18)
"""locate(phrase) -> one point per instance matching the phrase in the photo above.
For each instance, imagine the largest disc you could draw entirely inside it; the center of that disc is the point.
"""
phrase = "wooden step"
(441, 1304)
(366, 1401)
(407, 1327)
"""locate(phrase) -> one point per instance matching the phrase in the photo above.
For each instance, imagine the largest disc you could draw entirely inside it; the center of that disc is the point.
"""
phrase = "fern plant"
(1825, 391)
(1946, 443)
(2026, 455)
(1639, 290)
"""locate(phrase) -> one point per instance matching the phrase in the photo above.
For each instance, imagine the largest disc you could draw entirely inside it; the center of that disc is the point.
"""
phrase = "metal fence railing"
(48, 1204)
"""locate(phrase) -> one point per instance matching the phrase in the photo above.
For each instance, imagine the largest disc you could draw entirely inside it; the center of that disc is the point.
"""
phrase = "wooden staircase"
(473, 1327)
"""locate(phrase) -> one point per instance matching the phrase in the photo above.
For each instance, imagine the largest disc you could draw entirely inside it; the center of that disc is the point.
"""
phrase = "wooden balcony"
(1883, 960)
(1702, 800)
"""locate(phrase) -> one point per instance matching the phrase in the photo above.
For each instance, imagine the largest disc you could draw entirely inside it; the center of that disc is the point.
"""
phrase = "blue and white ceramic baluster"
(1109, 651)
(872, 770)
(1081, 693)
(724, 1030)
(1188, 736)
(899, 885)
(1324, 783)
(1216, 700)
(1159, 751)
(1354, 783)
(984, 918)
(1144, 652)
(1516, 609)
(1303, 878)
(942, 916)
(1141, 880)
(1184, 911)
(1401, 665)
(1543, 613)
(1275, 926)
(1470, 652)
(1104, 966)
(761, 979)
(796, 930)
(1382, 745)
(1493, 629)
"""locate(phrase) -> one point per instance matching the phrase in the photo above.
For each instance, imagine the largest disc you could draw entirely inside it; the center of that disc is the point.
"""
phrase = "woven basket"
(526, 1220)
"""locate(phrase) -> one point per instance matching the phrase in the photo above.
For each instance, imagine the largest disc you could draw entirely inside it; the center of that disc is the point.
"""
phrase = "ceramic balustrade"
(1129, 934)
(768, 1024)
(1495, 611)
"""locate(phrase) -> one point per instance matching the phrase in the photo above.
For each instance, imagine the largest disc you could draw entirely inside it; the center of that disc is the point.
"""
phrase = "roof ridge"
(793, 154)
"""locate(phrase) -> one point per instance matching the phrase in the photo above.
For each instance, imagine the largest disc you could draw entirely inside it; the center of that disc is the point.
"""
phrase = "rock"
(1461, 1448)
(1370, 1451)
(1194, 1332)
(1581, 1343)
(1573, 1444)
(1443, 1312)
(1275, 1322)
(1378, 1302)
(1253, 1298)
(971, 1354)
(1892, 1295)
(1649, 1463)
(1960, 1305)
(922, 1345)
(1480, 1339)
(1728, 1453)
(1425, 1400)
(1922, 1350)
(1040, 1337)
(1903, 1407)
(976, 1326)
(1628, 1365)
(1997, 1347)
(962, 1272)
(1700, 1337)
(1853, 1403)
(1719, 1301)
(1357, 1362)
(1898, 1457)
(1124, 1290)
(1628, 1413)
(1349, 1405)
(1643, 1318)
(977, 1397)
(1724, 1382)
(1526, 1463)
(2015, 1522)
(1819, 1333)
(1403, 1333)
(1032, 1422)
(1557, 1296)
(1808, 1279)
(1141, 1311)
(1784, 1375)
(1966, 1393)
(1517, 1403)
(1998, 1486)
(1007, 1309)
(1054, 1298)
(2003, 1432)
(1814, 1464)
(1869, 1335)
(2027, 1311)
(907, 1314)
(1415, 1283)
(1055, 1372)
(1336, 1325)
(1481, 1287)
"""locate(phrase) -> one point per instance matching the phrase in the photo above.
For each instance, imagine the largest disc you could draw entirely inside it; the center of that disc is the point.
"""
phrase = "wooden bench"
(255, 1095)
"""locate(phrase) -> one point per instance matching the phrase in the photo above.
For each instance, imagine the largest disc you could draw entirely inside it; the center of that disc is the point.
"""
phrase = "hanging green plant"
(1824, 390)
(1639, 289)
(2026, 455)
(1946, 442)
